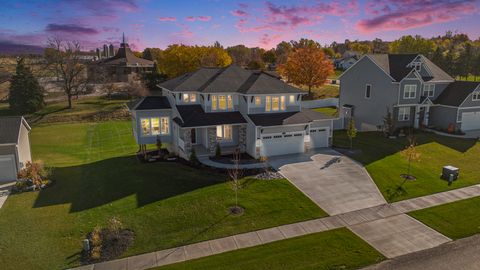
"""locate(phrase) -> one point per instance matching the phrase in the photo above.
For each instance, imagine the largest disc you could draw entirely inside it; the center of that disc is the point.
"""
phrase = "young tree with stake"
(351, 131)
(235, 173)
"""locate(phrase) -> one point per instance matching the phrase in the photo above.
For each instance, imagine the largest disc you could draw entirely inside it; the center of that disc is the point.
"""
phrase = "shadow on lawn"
(103, 182)
(374, 146)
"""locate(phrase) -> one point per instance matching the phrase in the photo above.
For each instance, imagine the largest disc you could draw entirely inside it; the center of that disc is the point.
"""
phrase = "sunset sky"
(150, 23)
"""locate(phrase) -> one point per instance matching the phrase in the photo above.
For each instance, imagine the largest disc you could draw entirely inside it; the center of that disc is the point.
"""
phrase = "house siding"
(441, 116)
(368, 113)
(468, 102)
(7, 150)
(411, 80)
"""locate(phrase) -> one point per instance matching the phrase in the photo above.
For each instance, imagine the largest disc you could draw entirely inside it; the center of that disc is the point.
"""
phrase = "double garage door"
(470, 121)
(293, 143)
(7, 168)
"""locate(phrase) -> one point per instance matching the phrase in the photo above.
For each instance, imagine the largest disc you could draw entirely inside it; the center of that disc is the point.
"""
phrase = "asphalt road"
(462, 254)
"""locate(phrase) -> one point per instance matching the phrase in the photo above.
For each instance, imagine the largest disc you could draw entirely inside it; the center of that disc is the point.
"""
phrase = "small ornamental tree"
(159, 145)
(351, 131)
(193, 157)
(26, 94)
(388, 123)
(410, 154)
(235, 174)
(218, 151)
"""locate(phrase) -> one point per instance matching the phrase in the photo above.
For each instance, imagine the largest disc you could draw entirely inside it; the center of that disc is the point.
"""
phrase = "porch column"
(427, 115)
(417, 117)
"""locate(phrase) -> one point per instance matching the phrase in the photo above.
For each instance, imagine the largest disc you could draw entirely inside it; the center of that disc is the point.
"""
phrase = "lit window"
(403, 113)
(282, 103)
(368, 91)
(155, 123)
(189, 98)
(165, 125)
(429, 90)
(214, 103)
(185, 98)
(258, 101)
(145, 126)
(410, 91)
(222, 103)
(230, 102)
(275, 103)
(476, 96)
(291, 99)
(193, 98)
(224, 133)
(268, 103)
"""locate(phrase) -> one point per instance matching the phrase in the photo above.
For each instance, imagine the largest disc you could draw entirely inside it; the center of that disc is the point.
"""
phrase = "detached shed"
(14, 146)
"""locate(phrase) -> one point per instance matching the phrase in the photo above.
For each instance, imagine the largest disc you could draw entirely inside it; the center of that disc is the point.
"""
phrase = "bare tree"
(236, 174)
(64, 58)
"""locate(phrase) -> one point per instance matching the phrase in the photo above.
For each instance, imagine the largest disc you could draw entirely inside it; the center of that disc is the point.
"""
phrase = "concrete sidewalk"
(4, 192)
(410, 234)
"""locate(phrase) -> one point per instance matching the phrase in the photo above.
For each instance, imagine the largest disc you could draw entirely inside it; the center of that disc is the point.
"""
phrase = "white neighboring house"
(14, 146)
(253, 111)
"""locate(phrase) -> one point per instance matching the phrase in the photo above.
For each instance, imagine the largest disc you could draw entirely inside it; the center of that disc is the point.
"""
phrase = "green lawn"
(385, 164)
(166, 204)
(331, 111)
(455, 220)
(322, 92)
(84, 109)
(336, 74)
(337, 249)
(469, 78)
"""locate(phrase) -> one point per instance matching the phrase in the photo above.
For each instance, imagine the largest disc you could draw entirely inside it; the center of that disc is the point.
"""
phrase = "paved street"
(463, 254)
(334, 182)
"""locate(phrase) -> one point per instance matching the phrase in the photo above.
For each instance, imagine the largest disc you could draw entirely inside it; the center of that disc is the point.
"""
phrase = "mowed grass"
(337, 249)
(455, 220)
(385, 163)
(331, 111)
(166, 204)
(336, 74)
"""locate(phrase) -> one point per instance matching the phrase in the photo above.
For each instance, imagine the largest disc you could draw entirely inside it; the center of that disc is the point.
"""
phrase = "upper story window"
(368, 91)
(410, 91)
(291, 99)
(155, 126)
(258, 101)
(222, 102)
(476, 96)
(403, 113)
(429, 90)
(417, 66)
(275, 103)
(189, 98)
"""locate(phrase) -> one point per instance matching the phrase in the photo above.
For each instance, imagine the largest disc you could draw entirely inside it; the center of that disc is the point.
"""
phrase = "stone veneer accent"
(212, 140)
(187, 140)
(242, 138)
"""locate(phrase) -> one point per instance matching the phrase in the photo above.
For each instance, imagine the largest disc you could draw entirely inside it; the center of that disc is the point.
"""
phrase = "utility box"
(450, 173)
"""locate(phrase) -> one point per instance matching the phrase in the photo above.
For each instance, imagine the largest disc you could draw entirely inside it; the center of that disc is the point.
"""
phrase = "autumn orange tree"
(307, 66)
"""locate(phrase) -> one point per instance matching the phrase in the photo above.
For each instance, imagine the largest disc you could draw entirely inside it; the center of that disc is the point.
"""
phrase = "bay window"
(224, 133)
(155, 126)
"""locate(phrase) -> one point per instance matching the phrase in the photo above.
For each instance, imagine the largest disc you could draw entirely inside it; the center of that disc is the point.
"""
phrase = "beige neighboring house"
(14, 146)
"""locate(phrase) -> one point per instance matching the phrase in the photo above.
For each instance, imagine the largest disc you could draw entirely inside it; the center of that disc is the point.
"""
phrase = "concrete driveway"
(334, 182)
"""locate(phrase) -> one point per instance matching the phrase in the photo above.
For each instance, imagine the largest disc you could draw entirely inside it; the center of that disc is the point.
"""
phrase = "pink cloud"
(407, 14)
(239, 13)
(190, 19)
(167, 19)
(269, 41)
(199, 18)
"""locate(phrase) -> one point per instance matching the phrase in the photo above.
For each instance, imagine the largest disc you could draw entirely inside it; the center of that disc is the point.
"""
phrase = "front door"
(193, 136)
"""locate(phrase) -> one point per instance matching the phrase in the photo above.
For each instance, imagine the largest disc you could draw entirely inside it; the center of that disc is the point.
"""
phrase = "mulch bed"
(113, 246)
(229, 159)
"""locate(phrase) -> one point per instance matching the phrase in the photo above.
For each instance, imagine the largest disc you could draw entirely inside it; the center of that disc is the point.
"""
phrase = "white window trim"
(291, 99)
(370, 92)
(222, 137)
(150, 134)
(405, 91)
(476, 96)
(403, 119)
(167, 124)
(430, 85)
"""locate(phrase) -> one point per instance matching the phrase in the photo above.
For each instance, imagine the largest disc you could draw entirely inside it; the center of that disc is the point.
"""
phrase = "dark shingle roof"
(125, 57)
(10, 128)
(287, 118)
(150, 103)
(396, 66)
(230, 79)
(195, 116)
(456, 93)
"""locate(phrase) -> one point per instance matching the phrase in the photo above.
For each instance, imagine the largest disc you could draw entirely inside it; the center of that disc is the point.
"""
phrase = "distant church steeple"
(124, 42)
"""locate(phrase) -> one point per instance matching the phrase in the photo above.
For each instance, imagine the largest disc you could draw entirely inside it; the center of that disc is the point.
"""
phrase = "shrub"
(218, 151)
(193, 157)
(96, 241)
(35, 172)
(114, 226)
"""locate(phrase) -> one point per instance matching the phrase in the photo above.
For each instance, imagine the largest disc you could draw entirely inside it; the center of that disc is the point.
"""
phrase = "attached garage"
(283, 144)
(8, 168)
(470, 121)
(319, 137)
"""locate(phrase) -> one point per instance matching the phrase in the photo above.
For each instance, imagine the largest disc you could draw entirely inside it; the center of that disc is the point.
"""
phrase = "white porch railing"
(181, 144)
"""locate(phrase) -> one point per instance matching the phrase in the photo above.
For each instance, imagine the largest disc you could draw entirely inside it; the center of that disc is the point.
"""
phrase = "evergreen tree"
(26, 94)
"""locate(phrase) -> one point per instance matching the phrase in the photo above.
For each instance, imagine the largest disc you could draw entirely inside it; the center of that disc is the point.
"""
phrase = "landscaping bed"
(229, 159)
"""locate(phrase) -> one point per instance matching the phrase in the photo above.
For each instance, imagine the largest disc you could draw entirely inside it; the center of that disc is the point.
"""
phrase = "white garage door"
(470, 121)
(283, 144)
(7, 168)
(319, 137)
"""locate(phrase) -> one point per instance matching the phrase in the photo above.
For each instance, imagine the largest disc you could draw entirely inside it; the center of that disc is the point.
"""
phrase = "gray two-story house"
(416, 92)
(253, 111)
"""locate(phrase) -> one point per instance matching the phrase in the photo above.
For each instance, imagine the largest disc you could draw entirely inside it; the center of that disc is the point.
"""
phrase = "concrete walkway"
(389, 219)
(333, 181)
(207, 161)
(4, 192)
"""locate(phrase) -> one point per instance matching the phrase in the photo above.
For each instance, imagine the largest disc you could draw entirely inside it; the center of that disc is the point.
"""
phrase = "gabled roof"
(456, 93)
(396, 65)
(231, 79)
(149, 103)
(287, 118)
(125, 57)
(10, 129)
(195, 116)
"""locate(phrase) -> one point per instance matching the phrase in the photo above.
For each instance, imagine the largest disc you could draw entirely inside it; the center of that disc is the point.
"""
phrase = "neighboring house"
(346, 63)
(14, 146)
(416, 91)
(234, 108)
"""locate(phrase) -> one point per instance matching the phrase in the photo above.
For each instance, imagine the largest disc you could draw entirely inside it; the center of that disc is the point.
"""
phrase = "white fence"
(319, 103)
